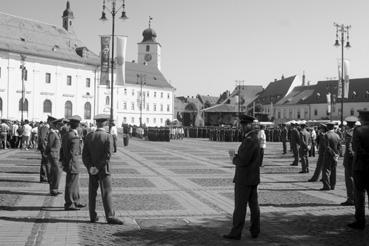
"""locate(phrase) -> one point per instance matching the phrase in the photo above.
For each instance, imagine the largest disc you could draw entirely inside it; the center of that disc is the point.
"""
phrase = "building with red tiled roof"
(310, 102)
(275, 91)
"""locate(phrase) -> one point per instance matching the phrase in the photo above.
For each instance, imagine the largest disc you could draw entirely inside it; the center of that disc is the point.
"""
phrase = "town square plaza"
(175, 193)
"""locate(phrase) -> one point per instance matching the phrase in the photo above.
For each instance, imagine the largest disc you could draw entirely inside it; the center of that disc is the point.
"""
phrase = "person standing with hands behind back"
(96, 157)
(246, 179)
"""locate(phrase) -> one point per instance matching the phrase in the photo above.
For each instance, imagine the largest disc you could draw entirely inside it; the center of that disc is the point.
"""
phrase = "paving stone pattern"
(174, 193)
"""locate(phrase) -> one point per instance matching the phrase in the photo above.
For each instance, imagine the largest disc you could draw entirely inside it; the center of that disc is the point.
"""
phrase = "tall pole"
(342, 79)
(112, 65)
(23, 68)
(141, 103)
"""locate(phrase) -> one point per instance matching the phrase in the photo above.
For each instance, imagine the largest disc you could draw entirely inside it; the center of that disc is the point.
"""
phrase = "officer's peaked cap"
(245, 119)
(50, 118)
(102, 117)
(352, 119)
(75, 118)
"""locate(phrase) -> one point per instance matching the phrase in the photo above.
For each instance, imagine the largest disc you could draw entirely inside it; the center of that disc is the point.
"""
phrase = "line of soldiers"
(61, 141)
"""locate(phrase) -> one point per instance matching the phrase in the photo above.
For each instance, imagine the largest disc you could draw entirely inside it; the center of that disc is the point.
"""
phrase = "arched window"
(107, 100)
(47, 106)
(87, 111)
(24, 106)
(68, 109)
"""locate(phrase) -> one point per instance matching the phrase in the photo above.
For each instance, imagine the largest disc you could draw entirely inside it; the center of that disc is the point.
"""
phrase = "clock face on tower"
(148, 57)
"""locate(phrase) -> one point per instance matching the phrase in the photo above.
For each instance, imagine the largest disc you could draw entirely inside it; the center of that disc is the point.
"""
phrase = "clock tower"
(149, 50)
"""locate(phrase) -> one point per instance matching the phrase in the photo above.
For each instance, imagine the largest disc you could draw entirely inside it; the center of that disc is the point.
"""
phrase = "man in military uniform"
(96, 154)
(53, 153)
(333, 146)
(347, 161)
(295, 143)
(42, 143)
(70, 145)
(321, 149)
(246, 179)
(284, 138)
(360, 146)
(305, 144)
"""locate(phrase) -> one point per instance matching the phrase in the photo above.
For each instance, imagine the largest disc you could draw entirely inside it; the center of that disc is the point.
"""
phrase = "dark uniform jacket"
(97, 150)
(53, 144)
(305, 139)
(42, 137)
(247, 160)
(284, 134)
(333, 143)
(295, 136)
(70, 145)
(360, 146)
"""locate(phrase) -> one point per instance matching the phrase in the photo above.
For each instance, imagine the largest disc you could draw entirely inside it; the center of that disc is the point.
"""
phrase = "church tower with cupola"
(149, 50)
(67, 18)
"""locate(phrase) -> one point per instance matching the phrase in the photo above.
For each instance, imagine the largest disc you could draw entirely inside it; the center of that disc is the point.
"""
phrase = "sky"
(209, 44)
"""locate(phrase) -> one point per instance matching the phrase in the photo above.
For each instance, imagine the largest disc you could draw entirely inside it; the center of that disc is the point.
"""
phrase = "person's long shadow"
(18, 181)
(23, 193)
(42, 220)
(30, 208)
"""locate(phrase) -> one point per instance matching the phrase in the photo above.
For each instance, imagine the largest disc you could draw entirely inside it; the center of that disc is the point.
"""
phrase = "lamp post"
(23, 72)
(113, 11)
(342, 29)
(142, 81)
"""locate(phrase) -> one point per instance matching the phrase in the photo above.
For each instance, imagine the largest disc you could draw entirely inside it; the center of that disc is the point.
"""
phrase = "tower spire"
(68, 16)
(150, 19)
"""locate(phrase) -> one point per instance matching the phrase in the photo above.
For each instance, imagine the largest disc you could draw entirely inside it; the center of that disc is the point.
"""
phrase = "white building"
(62, 77)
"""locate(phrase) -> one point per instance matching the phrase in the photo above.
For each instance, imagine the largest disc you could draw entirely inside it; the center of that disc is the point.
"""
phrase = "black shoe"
(55, 193)
(347, 203)
(356, 225)
(229, 236)
(303, 172)
(94, 220)
(312, 180)
(115, 221)
(71, 209)
(325, 188)
(293, 164)
(81, 205)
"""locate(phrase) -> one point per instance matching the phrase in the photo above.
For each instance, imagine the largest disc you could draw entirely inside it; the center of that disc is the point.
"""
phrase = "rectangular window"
(125, 91)
(124, 105)
(48, 78)
(161, 120)
(148, 107)
(315, 112)
(168, 108)
(154, 107)
(148, 94)
(132, 106)
(88, 82)
(69, 80)
(161, 107)
(133, 92)
(168, 95)
(154, 93)
(161, 94)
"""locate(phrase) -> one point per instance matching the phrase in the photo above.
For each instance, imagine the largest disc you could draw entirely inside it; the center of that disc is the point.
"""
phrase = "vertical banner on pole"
(329, 102)
(339, 92)
(346, 78)
(105, 55)
(121, 60)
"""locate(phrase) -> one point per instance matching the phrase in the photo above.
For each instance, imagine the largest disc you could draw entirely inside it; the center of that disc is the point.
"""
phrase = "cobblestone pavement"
(176, 193)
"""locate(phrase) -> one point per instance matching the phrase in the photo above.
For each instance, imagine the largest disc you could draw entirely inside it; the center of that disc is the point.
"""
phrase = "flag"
(346, 71)
(339, 93)
(105, 55)
(121, 60)
(329, 102)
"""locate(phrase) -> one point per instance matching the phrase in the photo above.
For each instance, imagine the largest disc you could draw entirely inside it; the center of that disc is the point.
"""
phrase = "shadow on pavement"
(18, 181)
(276, 229)
(26, 193)
(43, 220)
(20, 172)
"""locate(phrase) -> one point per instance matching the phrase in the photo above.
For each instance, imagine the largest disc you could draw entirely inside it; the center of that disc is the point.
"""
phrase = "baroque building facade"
(46, 70)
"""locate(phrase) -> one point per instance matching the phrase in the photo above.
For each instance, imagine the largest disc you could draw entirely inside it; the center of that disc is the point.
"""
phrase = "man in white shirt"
(114, 133)
(262, 141)
(27, 129)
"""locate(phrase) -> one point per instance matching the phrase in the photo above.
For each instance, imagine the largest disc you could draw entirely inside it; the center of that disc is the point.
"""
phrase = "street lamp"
(23, 72)
(113, 11)
(341, 28)
(142, 78)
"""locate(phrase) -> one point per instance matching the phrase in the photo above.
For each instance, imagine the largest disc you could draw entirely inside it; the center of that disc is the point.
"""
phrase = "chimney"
(282, 76)
(303, 78)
